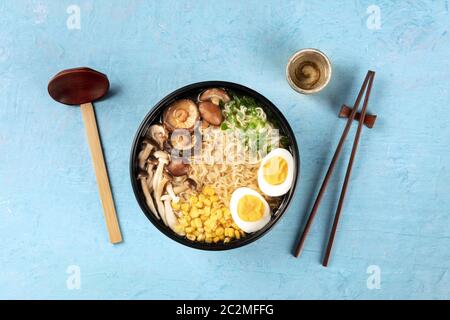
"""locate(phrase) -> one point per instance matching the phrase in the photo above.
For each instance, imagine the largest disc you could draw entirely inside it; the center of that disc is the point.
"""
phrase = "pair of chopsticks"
(368, 82)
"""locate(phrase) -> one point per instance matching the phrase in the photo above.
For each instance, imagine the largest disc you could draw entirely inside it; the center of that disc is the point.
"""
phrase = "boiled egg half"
(250, 211)
(276, 173)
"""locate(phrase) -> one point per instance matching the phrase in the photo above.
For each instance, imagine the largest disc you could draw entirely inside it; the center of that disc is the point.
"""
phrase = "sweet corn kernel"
(214, 198)
(198, 223)
(194, 213)
(216, 205)
(212, 225)
(216, 239)
(201, 197)
(185, 207)
(179, 229)
(209, 191)
(207, 211)
(199, 204)
(207, 202)
(193, 200)
(219, 231)
(189, 230)
(176, 205)
(191, 237)
(226, 240)
(229, 232)
(201, 237)
(237, 234)
(208, 239)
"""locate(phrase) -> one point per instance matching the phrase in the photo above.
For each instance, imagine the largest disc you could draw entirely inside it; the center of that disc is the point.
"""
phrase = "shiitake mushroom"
(215, 95)
(182, 114)
(211, 113)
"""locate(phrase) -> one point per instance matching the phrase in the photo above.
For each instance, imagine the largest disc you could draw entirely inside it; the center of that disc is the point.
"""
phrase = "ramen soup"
(214, 167)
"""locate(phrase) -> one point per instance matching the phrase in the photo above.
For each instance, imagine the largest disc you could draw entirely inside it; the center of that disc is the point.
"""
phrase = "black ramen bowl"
(192, 91)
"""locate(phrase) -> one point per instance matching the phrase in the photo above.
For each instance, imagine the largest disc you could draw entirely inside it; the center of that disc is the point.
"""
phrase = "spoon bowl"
(77, 86)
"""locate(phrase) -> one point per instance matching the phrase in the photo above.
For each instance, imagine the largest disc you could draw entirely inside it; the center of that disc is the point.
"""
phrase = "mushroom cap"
(182, 114)
(205, 124)
(161, 154)
(158, 134)
(215, 95)
(191, 183)
(146, 140)
(166, 197)
(150, 141)
(180, 179)
(152, 161)
(177, 167)
(211, 113)
(142, 174)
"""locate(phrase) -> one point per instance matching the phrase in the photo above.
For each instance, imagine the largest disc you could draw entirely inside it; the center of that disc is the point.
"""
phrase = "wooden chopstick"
(337, 153)
(348, 174)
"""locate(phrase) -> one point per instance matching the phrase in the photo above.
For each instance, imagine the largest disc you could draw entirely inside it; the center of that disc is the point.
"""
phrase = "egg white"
(280, 189)
(247, 226)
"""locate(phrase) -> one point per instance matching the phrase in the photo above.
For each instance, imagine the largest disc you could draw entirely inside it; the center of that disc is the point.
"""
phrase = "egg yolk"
(275, 170)
(250, 208)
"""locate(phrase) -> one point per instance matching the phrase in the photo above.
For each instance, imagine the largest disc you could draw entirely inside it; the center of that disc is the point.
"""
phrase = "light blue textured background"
(398, 211)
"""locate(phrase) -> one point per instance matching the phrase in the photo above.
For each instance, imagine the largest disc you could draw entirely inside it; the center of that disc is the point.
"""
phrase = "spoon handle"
(101, 174)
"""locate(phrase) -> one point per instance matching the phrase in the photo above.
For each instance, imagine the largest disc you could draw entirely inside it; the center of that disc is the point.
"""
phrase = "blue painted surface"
(397, 213)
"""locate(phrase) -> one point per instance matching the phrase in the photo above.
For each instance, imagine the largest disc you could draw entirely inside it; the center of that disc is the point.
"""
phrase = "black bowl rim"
(266, 103)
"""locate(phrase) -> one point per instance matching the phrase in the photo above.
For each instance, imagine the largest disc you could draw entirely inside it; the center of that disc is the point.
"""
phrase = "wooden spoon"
(82, 86)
